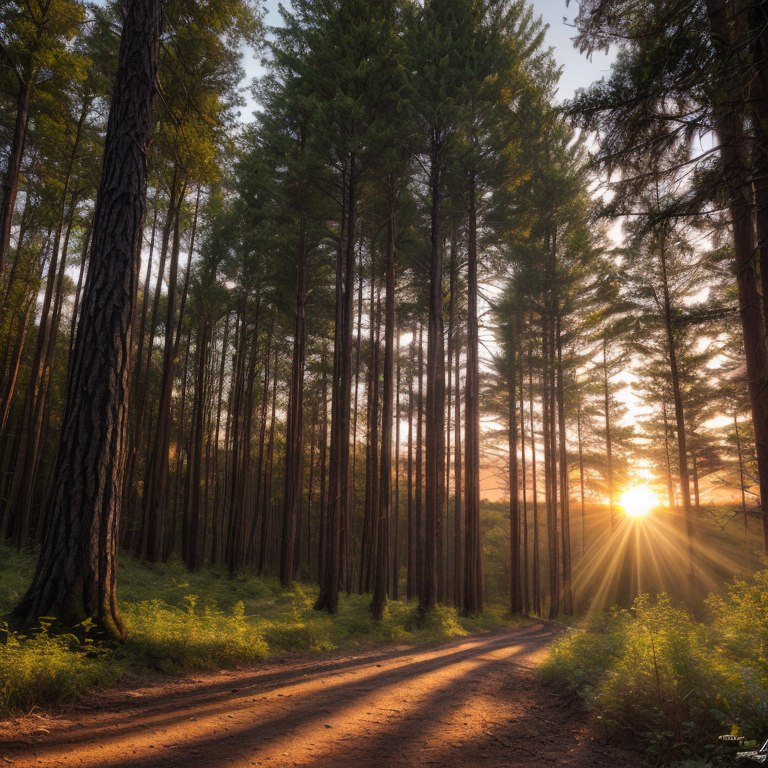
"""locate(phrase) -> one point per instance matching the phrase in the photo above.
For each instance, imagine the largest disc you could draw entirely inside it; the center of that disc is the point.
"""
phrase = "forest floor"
(467, 703)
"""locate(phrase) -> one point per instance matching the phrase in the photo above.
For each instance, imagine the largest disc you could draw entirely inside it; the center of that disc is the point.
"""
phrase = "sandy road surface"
(468, 703)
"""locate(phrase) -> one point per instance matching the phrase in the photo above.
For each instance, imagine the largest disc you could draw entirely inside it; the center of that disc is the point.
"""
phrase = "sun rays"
(638, 501)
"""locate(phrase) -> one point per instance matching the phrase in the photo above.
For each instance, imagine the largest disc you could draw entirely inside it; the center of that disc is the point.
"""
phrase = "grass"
(178, 621)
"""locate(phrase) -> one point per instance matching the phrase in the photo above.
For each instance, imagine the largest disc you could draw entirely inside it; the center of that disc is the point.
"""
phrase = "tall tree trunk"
(216, 521)
(338, 502)
(76, 576)
(294, 436)
(193, 547)
(682, 441)
(473, 583)
(385, 464)
(458, 494)
(418, 517)
(582, 495)
(435, 412)
(370, 504)
(536, 565)
(396, 522)
(515, 585)
(155, 495)
(410, 553)
(526, 592)
(608, 435)
(565, 507)
(323, 502)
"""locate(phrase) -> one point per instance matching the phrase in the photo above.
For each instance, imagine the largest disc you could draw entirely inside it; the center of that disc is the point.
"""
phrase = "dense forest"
(313, 342)
(387, 345)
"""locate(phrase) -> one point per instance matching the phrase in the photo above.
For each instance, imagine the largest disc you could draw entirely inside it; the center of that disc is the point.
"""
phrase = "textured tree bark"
(76, 574)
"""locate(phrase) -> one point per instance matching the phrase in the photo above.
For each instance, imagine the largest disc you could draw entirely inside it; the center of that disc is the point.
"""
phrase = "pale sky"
(578, 71)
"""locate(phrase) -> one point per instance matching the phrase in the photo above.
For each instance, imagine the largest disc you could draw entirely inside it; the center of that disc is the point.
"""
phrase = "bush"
(740, 634)
(652, 676)
(173, 639)
(48, 669)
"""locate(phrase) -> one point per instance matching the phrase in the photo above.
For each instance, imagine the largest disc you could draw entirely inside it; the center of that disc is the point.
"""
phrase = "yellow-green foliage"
(655, 676)
(173, 639)
(46, 668)
(176, 621)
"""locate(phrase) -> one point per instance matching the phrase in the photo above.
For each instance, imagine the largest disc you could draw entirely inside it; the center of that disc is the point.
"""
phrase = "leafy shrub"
(172, 639)
(652, 676)
(48, 669)
(580, 659)
(740, 634)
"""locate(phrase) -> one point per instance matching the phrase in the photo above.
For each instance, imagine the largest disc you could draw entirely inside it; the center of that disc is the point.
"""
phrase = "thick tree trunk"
(458, 494)
(76, 576)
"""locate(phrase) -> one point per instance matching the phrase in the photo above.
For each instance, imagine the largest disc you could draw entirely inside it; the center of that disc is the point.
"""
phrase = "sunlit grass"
(179, 621)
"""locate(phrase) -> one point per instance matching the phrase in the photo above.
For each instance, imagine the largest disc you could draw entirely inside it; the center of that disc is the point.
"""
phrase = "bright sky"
(578, 71)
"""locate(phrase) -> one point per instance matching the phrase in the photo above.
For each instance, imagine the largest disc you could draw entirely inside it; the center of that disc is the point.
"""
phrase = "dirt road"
(469, 703)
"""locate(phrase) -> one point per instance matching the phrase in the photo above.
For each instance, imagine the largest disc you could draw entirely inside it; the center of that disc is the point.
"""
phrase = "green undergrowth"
(178, 621)
(656, 678)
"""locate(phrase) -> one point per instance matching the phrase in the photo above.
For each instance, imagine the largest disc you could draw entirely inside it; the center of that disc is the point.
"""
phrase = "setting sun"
(638, 501)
